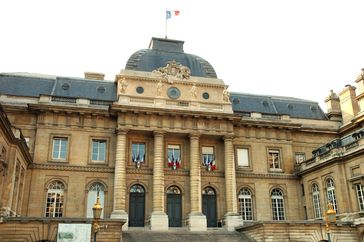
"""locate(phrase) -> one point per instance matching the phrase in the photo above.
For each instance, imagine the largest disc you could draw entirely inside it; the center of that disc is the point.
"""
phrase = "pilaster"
(197, 220)
(120, 180)
(159, 219)
(231, 218)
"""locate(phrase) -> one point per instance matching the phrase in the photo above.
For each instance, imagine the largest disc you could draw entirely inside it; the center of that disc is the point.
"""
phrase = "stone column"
(232, 218)
(197, 220)
(158, 219)
(120, 179)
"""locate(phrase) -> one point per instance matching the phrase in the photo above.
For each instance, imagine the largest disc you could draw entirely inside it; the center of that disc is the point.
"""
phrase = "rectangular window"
(278, 209)
(54, 206)
(300, 157)
(174, 156)
(360, 195)
(98, 150)
(208, 158)
(242, 155)
(138, 152)
(274, 159)
(59, 148)
(208, 154)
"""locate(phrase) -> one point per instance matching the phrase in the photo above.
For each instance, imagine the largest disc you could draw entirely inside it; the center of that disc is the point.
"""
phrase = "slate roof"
(163, 50)
(30, 85)
(274, 105)
(23, 85)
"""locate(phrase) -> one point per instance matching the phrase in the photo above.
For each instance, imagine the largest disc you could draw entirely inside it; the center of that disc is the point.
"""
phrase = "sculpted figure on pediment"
(174, 71)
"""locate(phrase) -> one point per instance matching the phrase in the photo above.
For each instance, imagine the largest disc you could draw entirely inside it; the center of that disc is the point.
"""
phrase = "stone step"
(183, 235)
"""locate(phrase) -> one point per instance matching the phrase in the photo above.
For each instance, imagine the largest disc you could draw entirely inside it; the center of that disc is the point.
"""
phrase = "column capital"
(194, 135)
(122, 131)
(228, 137)
(159, 132)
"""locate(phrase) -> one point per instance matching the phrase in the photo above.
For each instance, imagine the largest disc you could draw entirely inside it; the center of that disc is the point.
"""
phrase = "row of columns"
(159, 219)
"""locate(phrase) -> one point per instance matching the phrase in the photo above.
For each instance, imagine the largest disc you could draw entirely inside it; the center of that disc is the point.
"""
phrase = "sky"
(294, 48)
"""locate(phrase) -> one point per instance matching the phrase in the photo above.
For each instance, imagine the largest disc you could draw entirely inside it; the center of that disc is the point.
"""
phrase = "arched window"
(55, 200)
(208, 191)
(91, 198)
(331, 196)
(246, 204)
(316, 201)
(137, 189)
(277, 204)
(173, 190)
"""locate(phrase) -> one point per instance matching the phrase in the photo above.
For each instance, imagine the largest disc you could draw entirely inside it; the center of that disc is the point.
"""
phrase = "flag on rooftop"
(170, 13)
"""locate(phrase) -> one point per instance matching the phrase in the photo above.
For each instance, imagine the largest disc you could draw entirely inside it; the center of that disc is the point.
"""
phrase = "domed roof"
(162, 51)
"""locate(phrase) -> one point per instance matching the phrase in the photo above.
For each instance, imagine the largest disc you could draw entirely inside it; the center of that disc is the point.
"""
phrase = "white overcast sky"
(274, 47)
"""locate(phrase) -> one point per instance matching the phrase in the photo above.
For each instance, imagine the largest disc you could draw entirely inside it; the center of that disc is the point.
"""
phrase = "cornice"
(266, 175)
(73, 108)
(332, 160)
(116, 108)
(63, 167)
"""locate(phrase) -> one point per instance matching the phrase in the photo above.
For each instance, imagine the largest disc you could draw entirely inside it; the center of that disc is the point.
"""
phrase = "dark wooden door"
(209, 209)
(136, 210)
(174, 209)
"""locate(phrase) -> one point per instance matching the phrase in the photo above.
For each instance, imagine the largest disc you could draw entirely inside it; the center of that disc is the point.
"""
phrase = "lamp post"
(96, 209)
(330, 217)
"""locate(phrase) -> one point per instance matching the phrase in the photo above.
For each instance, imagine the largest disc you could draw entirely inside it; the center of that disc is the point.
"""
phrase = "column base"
(158, 221)
(121, 214)
(232, 220)
(197, 222)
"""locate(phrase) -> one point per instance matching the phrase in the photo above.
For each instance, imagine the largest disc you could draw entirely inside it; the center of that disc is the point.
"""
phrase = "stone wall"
(30, 229)
(301, 231)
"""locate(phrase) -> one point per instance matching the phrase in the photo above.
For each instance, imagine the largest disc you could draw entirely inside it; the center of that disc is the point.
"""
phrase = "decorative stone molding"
(62, 167)
(174, 71)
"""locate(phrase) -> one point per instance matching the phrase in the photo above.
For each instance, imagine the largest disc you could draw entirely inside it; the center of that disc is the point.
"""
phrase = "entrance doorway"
(209, 206)
(174, 206)
(136, 206)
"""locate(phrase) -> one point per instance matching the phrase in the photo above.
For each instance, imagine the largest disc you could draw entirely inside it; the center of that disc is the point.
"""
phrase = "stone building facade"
(167, 145)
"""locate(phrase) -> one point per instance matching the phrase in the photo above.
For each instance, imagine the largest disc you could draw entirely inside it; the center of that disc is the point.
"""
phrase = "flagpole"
(166, 24)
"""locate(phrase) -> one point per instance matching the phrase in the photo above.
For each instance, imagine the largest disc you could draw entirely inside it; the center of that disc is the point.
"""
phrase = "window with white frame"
(246, 204)
(98, 150)
(55, 200)
(60, 145)
(242, 155)
(277, 204)
(300, 157)
(95, 188)
(138, 152)
(331, 196)
(360, 195)
(174, 156)
(274, 159)
(316, 201)
(208, 157)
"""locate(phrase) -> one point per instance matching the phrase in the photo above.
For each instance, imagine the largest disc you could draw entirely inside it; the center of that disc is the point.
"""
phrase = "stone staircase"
(179, 235)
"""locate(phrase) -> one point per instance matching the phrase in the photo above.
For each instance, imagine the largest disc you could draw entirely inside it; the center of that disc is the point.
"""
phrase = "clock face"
(173, 92)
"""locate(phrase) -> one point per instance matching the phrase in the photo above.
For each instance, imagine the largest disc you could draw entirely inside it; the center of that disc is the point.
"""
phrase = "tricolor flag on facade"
(170, 13)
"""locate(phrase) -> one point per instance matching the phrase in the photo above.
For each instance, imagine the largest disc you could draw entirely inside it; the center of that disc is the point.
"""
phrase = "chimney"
(333, 107)
(348, 103)
(94, 76)
(360, 83)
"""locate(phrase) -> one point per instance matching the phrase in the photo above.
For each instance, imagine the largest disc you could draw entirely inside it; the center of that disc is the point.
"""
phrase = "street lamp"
(96, 209)
(330, 217)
